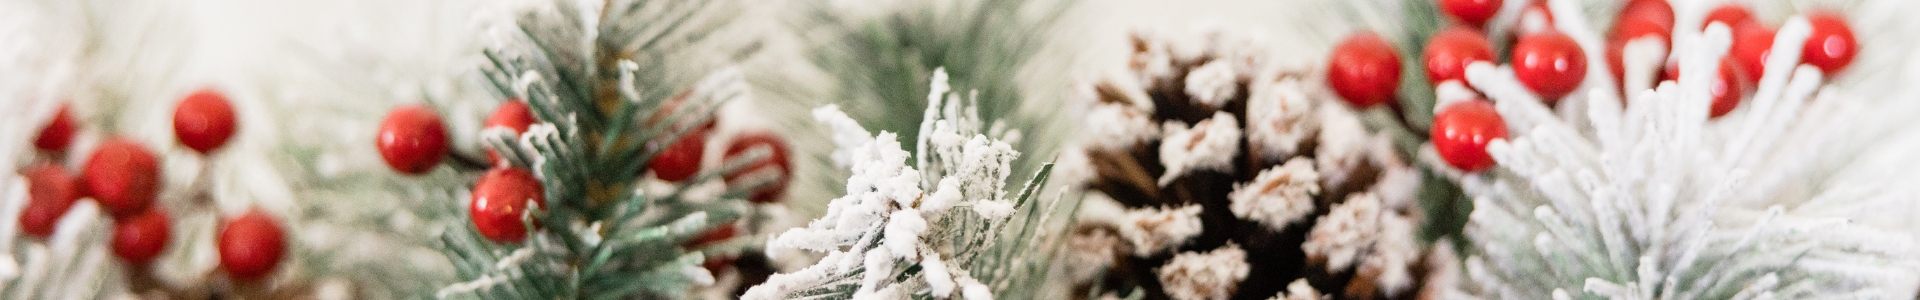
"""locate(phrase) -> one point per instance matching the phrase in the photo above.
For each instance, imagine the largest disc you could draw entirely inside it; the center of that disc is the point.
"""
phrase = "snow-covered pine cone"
(1234, 179)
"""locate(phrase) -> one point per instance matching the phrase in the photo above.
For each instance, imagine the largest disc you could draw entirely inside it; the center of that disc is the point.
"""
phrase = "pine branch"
(599, 81)
(883, 61)
(935, 229)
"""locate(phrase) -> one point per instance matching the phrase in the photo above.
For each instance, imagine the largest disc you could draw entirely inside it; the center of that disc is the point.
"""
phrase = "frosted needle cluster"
(906, 226)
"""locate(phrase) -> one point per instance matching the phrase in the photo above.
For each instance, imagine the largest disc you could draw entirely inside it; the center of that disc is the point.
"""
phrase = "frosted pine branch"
(612, 84)
(1654, 200)
(931, 229)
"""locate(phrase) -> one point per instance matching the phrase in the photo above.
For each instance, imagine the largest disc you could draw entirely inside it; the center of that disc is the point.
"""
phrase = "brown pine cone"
(1232, 179)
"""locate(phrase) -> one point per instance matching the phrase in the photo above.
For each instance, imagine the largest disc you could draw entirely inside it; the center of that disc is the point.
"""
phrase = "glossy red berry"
(1550, 64)
(122, 176)
(1725, 88)
(1364, 70)
(1831, 46)
(1462, 131)
(1659, 12)
(51, 191)
(138, 238)
(1450, 51)
(1732, 14)
(779, 164)
(715, 235)
(500, 198)
(1473, 13)
(412, 140)
(203, 121)
(251, 246)
(513, 115)
(681, 160)
(1751, 45)
(57, 133)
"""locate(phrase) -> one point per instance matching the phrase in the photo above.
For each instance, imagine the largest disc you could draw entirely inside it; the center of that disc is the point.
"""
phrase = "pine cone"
(1207, 150)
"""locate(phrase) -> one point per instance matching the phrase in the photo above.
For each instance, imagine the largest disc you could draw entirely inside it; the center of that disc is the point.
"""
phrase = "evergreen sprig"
(883, 62)
(933, 225)
(603, 83)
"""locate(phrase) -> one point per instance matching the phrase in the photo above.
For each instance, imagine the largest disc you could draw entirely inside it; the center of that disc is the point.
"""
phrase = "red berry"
(1461, 133)
(1751, 45)
(203, 120)
(1831, 47)
(1659, 12)
(251, 246)
(58, 132)
(412, 139)
(140, 237)
(779, 162)
(1629, 30)
(122, 176)
(1732, 14)
(51, 191)
(1471, 12)
(499, 198)
(715, 235)
(1550, 64)
(511, 115)
(1364, 69)
(681, 159)
(1726, 88)
(1450, 51)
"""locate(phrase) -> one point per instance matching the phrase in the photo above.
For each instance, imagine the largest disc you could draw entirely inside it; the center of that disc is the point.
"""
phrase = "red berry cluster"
(1365, 71)
(1548, 62)
(120, 175)
(412, 139)
(51, 190)
(1830, 47)
(250, 245)
(1553, 65)
(123, 177)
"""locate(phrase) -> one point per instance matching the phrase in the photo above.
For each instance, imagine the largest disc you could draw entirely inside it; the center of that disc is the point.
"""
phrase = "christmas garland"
(1429, 149)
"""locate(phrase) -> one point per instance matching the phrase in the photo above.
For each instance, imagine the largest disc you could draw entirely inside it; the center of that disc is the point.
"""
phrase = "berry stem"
(465, 163)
